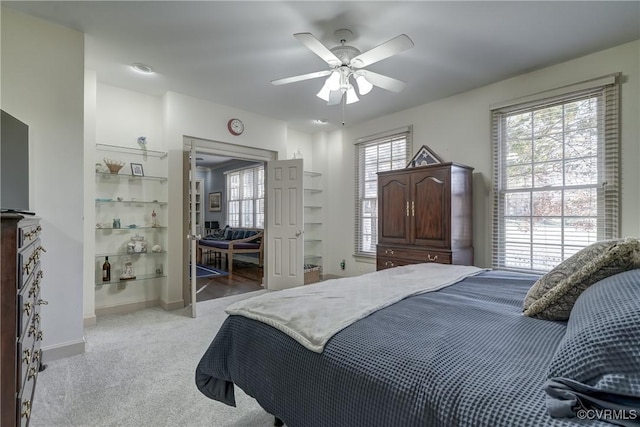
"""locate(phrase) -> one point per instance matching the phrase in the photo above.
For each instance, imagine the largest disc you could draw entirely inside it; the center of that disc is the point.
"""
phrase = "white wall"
(42, 84)
(186, 116)
(123, 115)
(300, 143)
(89, 231)
(458, 129)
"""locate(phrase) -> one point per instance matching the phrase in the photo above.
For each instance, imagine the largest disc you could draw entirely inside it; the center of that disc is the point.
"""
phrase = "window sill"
(369, 259)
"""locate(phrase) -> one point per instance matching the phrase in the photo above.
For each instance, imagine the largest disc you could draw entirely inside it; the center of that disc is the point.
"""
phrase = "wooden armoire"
(425, 215)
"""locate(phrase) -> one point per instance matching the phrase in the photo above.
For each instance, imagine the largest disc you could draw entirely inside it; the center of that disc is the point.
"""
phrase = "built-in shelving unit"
(131, 225)
(313, 222)
(199, 207)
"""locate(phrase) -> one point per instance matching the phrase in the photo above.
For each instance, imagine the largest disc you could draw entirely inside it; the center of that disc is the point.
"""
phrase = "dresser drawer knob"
(27, 308)
(432, 258)
(32, 372)
(26, 409)
(389, 264)
(388, 251)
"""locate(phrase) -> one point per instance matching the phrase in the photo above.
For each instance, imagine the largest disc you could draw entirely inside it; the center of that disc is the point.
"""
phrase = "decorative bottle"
(106, 270)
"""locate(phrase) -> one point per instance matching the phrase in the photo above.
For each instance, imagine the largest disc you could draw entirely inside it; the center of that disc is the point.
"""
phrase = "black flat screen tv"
(14, 164)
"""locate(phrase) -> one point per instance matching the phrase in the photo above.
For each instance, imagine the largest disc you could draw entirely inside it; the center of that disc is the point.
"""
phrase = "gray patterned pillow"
(554, 294)
(597, 363)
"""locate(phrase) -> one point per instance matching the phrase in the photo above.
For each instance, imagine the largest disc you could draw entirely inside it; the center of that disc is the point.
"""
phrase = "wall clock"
(235, 126)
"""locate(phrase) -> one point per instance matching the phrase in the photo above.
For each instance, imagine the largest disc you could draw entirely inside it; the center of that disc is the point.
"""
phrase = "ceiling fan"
(346, 64)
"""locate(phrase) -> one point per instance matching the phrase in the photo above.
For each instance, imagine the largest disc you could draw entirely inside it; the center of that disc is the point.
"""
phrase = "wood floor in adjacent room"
(247, 277)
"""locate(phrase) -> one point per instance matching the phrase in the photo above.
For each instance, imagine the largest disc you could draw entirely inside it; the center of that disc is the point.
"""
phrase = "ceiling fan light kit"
(346, 63)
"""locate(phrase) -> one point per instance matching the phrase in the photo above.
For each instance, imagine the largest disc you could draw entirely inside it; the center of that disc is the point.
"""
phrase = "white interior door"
(192, 235)
(284, 263)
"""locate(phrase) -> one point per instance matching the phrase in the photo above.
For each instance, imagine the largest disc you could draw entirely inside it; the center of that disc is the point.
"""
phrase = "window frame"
(361, 181)
(607, 90)
(255, 201)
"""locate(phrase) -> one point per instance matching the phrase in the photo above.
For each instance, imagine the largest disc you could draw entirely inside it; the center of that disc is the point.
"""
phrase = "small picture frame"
(424, 157)
(136, 169)
(215, 202)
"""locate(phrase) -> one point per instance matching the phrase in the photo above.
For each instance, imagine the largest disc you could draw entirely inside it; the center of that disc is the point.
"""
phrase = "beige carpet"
(138, 370)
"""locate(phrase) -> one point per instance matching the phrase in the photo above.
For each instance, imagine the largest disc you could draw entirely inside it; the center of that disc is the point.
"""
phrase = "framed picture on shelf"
(424, 157)
(215, 202)
(136, 169)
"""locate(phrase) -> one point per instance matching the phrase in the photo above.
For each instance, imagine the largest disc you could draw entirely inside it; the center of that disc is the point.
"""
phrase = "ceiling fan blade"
(383, 51)
(318, 48)
(335, 97)
(384, 82)
(301, 77)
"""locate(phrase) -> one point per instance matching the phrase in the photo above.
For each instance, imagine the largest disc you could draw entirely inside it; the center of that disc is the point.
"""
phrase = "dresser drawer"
(28, 262)
(28, 233)
(413, 256)
(27, 309)
(387, 262)
(25, 400)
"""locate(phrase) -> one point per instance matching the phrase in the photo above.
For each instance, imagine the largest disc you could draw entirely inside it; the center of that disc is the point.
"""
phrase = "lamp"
(337, 85)
(364, 86)
(351, 95)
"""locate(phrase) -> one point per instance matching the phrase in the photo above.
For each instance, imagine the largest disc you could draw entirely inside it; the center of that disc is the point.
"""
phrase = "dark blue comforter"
(461, 356)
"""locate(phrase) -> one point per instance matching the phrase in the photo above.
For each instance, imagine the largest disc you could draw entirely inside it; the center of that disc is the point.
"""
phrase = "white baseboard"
(61, 351)
(126, 308)
(89, 321)
(175, 305)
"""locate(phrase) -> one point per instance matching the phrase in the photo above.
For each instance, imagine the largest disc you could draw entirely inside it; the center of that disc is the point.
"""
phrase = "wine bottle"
(106, 270)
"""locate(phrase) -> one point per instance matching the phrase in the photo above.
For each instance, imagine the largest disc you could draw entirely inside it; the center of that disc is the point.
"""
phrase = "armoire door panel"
(394, 206)
(431, 197)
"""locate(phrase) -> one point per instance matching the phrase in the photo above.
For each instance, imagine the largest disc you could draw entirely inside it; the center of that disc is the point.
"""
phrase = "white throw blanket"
(313, 314)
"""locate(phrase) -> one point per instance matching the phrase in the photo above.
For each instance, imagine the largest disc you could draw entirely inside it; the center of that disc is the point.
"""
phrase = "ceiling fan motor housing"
(345, 53)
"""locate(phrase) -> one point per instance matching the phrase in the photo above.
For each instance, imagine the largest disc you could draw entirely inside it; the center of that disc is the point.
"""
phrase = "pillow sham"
(552, 296)
(597, 363)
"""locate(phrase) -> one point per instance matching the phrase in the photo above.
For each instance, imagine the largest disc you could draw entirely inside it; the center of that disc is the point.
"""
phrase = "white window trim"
(360, 142)
(608, 210)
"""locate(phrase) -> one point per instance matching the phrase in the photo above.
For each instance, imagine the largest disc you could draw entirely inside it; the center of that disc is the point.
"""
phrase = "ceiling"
(229, 51)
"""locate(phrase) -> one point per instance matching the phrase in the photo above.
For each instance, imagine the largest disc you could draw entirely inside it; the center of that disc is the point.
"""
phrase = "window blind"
(384, 152)
(245, 197)
(555, 176)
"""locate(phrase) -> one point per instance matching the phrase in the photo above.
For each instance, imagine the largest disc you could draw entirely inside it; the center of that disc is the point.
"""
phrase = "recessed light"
(142, 68)
(321, 121)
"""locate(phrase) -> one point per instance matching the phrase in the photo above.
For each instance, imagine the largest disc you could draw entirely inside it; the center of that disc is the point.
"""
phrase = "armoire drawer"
(414, 255)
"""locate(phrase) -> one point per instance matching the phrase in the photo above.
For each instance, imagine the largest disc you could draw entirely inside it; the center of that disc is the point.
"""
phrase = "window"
(245, 197)
(555, 176)
(374, 155)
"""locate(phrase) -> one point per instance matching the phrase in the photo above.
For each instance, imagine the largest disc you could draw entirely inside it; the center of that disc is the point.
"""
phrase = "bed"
(463, 355)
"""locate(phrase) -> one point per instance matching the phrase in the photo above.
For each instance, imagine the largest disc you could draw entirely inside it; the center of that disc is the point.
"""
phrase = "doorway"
(214, 160)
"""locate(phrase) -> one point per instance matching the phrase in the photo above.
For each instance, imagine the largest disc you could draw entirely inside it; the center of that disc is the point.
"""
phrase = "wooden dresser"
(20, 325)
(425, 215)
